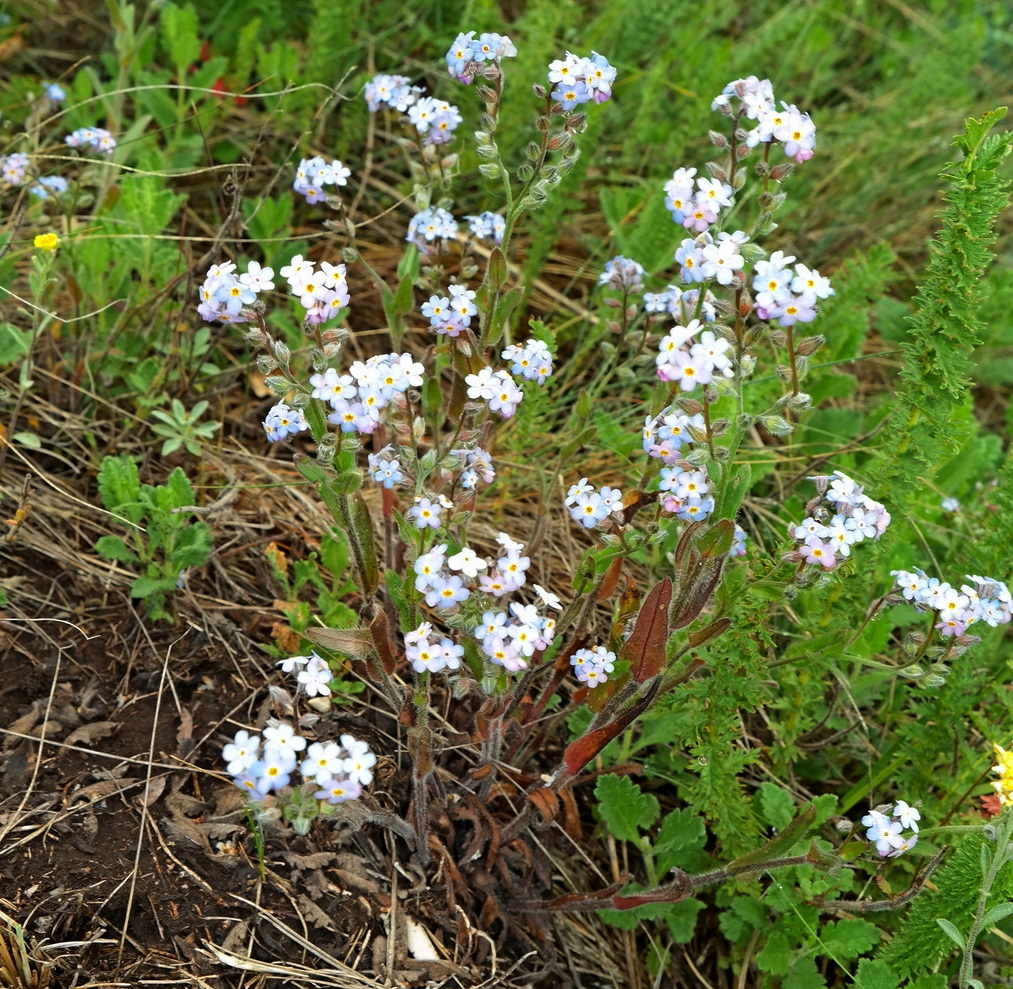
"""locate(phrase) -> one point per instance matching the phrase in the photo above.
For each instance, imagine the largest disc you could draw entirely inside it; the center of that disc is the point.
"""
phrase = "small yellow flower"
(47, 242)
(1003, 785)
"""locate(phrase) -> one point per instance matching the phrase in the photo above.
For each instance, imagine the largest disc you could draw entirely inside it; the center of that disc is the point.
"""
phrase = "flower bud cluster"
(983, 599)
(623, 275)
(825, 540)
(96, 138)
(888, 834)
(593, 665)
(682, 304)
(314, 173)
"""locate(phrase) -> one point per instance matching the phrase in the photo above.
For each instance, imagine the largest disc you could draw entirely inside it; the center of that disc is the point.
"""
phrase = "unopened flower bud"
(541, 93)
(780, 172)
(776, 425)
(747, 364)
(809, 345)
(266, 364)
(418, 429)
(718, 139)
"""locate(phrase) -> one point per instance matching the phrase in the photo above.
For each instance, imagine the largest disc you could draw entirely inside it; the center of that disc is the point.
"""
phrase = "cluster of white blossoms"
(450, 315)
(314, 174)
(826, 539)
(692, 356)
(983, 599)
(337, 771)
(497, 388)
(886, 830)
(753, 98)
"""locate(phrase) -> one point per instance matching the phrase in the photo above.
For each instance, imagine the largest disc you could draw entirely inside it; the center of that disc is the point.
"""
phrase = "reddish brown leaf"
(378, 633)
(713, 630)
(645, 648)
(546, 803)
(611, 579)
(579, 753)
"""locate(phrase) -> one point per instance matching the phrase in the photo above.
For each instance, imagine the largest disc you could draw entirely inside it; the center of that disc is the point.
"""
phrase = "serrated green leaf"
(120, 487)
(804, 975)
(192, 546)
(776, 805)
(776, 955)
(682, 831)
(875, 975)
(848, 938)
(146, 587)
(624, 807)
(114, 548)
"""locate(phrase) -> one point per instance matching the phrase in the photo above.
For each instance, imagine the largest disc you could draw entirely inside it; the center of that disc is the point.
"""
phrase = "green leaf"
(930, 980)
(848, 938)
(804, 975)
(120, 487)
(999, 912)
(681, 831)
(146, 587)
(625, 809)
(192, 547)
(875, 975)
(744, 915)
(681, 919)
(950, 930)
(180, 34)
(114, 548)
(776, 955)
(334, 553)
(14, 343)
(776, 805)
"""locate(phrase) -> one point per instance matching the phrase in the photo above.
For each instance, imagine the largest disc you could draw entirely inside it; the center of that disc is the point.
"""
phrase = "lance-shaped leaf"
(363, 525)
(777, 847)
(579, 753)
(381, 641)
(697, 591)
(712, 631)
(354, 642)
(645, 648)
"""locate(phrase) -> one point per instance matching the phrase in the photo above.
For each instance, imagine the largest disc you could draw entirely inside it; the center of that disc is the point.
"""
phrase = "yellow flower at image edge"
(1004, 784)
(47, 242)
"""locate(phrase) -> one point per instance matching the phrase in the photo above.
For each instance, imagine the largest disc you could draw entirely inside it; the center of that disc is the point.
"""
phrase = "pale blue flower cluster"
(283, 421)
(581, 80)
(314, 174)
(14, 168)
(431, 227)
(470, 56)
(96, 138)
(487, 226)
(593, 665)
